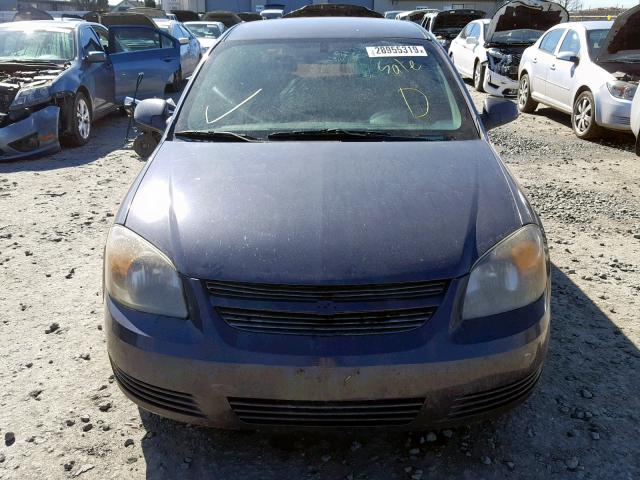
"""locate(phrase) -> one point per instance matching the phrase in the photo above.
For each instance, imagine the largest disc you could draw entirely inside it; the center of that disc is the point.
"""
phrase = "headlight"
(624, 90)
(31, 96)
(511, 275)
(494, 52)
(140, 276)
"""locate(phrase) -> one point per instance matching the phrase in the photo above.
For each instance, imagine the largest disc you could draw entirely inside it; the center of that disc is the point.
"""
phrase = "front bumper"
(34, 135)
(613, 113)
(203, 371)
(499, 85)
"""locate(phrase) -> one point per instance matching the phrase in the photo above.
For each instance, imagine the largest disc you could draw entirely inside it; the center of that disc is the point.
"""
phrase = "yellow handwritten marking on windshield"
(206, 110)
(404, 91)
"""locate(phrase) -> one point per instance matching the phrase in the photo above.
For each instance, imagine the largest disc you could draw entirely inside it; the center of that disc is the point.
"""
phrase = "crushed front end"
(501, 76)
(29, 111)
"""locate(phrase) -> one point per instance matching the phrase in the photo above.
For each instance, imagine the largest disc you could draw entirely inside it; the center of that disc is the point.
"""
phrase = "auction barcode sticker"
(397, 51)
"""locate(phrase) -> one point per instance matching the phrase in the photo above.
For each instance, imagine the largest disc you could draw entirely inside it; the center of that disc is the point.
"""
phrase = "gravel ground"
(61, 415)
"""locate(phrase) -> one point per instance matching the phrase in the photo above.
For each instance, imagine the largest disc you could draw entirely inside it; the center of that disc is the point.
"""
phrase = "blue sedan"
(56, 78)
(324, 237)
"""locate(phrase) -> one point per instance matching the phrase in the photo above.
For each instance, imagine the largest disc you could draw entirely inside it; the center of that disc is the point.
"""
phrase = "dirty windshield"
(204, 31)
(50, 45)
(372, 86)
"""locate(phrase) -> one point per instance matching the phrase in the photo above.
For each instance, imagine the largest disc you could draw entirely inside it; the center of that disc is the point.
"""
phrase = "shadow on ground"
(587, 396)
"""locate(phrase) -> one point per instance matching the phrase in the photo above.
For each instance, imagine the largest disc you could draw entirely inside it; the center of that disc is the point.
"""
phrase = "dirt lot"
(61, 416)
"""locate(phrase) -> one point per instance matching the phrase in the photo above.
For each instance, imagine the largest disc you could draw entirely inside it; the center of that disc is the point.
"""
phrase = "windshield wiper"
(343, 135)
(211, 135)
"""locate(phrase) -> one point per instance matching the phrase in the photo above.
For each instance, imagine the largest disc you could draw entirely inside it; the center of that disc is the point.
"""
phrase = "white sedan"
(207, 33)
(590, 70)
(468, 54)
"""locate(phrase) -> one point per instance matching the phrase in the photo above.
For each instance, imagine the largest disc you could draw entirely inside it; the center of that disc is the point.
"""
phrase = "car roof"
(327, 27)
(588, 24)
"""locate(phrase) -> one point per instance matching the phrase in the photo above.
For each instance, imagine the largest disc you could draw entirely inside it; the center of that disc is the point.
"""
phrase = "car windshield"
(51, 45)
(516, 37)
(204, 31)
(595, 39)
(399, 87)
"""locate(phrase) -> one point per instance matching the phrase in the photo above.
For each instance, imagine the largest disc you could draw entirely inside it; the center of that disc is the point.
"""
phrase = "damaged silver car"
(514, 27)
(57, 77)
(590, 70)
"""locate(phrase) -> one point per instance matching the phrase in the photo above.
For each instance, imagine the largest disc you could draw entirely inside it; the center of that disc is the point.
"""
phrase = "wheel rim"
(84, 118)
(524, 92)
(476, 75)
(583, 114)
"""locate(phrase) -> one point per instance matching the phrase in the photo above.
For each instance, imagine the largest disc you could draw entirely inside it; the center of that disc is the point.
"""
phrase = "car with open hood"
(324, 237)
(446, 25)
(589, 70)
(415, 16)
(514, 27)
(468, 54)
(229, 19)
(57, 77)
(635, 120)
(250, 16)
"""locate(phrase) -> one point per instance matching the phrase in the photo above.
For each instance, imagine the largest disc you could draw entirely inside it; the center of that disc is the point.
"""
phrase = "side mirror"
(568, 57)
(472, 40)
(497, 112)
(95, 56)
(152, 114)
(183, 41)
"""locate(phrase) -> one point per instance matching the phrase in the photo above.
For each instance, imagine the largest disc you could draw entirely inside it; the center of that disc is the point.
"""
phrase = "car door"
(96, 77)
(140, 49)
(468, 50)
(542, 59)
(562, 71)
(455, 49)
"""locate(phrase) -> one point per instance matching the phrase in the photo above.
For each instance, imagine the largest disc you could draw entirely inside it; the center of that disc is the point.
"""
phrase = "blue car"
(324, 237)
(57, 77)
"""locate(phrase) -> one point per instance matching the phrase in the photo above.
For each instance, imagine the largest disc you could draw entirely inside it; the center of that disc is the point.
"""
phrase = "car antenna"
(133, 105)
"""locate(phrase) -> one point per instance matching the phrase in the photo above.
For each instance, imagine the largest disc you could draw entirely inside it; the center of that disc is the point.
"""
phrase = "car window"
(166, 41)
(551, 39)
(475, 31)
(130, 39)
(103, 36)
(210, 30)
(595, 38)
(89, 41)
(260, 87)
(53, 44)
(465, 32)
(571, 43)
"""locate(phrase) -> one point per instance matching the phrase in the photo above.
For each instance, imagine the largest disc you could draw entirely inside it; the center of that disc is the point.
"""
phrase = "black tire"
(583, 117)
(525, 103)
(176, 83)
(638, 145)
(79, 118)
(145, 144)
(478, 76)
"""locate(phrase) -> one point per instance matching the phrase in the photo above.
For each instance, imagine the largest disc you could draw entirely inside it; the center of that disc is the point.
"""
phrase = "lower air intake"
(367, 413)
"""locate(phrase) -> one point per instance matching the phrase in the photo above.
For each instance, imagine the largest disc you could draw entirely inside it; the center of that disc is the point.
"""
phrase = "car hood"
(623, 37)
(326, 212)
(458, 19)
(525, 14)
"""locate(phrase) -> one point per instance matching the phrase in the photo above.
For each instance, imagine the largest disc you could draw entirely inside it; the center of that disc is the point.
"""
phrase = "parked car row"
(529, 50)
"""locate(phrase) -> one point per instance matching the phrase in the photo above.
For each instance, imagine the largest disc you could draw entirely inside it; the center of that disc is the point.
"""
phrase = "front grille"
(178, 402)
(493, 399)
(367, 413)
(357, 323)
(315, 293)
